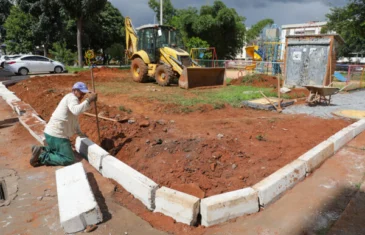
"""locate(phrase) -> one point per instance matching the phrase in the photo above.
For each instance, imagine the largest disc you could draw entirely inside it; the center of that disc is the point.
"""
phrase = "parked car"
(33, 64)
(7, 57)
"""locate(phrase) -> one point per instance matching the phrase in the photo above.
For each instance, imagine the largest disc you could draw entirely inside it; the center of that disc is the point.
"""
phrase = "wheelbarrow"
(320, 94)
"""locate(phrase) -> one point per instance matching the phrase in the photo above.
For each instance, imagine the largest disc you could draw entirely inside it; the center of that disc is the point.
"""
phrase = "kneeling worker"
(62, 125)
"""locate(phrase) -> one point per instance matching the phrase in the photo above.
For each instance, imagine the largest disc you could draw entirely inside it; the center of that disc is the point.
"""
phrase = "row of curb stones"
(180, 206)
(216, 209)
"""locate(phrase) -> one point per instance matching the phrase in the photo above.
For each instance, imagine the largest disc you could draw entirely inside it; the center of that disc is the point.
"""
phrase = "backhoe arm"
(131, 37)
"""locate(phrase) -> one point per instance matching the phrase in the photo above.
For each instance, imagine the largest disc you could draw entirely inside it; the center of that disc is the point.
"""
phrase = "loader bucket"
(199, 77)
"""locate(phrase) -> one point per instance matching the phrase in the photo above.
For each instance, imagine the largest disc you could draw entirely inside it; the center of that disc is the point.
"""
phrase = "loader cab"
(153, 37)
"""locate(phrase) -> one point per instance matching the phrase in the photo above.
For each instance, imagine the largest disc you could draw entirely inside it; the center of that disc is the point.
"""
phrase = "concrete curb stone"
(182, 207)
(140, 186)
(76, 202)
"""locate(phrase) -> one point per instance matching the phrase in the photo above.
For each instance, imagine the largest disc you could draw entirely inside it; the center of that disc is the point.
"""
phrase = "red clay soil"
(208, 151)
(257, 80)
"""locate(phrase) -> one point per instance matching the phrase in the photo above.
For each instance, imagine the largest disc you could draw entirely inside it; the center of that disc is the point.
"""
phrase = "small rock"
(234, 166)
(165, 130)
(217, 156)
(157, 142)
(241, 177)
(131, 121)
(125, 233)
(137, 149)
(144, 123)
(148, 141)
(220, 136)
(172, 121)
(40, 198)
(213, 166)
(161, 122)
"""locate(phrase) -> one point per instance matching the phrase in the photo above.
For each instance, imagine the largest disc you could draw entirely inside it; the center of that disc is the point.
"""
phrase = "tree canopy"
(349, 22)
(20, 38)
(256, 29)
(221, 27)
(82, 10)
(49, 25)
(168, 10)
(5, 6)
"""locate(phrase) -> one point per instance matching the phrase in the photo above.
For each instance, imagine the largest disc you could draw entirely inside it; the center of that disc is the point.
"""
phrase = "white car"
(5, 58)
(33, 64)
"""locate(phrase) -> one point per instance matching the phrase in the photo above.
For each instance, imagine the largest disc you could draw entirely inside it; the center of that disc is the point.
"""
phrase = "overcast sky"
(281, 11)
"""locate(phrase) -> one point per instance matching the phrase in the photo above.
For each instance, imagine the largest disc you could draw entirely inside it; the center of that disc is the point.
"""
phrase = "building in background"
(310, 28)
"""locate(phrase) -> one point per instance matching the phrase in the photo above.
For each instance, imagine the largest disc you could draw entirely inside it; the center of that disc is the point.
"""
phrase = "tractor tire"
(139, 70)
(164, 75)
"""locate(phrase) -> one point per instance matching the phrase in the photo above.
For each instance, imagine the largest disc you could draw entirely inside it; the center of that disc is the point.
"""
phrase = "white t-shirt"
(64, 121)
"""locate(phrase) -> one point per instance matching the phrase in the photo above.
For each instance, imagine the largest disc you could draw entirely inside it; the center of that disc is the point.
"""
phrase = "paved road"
(353, 100)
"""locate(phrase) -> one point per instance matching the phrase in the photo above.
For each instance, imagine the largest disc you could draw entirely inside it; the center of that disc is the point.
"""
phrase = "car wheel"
(2, 65)
(23, 71)
(58, 69)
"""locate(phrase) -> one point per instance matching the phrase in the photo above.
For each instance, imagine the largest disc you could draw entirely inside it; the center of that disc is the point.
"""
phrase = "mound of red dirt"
(256, 80)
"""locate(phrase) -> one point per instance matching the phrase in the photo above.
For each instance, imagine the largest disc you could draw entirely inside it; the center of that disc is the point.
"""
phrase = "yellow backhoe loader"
(155, 51)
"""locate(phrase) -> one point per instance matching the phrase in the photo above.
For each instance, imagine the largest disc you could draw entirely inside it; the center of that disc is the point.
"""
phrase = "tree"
(195, 42)
(349, 22)
(5, 6)
(62, 54)
(82, 10)
(116, 52)
(168, 10)
(19, 36)
(48, 28)
(105, 28)
(219, 26)
(256, 29)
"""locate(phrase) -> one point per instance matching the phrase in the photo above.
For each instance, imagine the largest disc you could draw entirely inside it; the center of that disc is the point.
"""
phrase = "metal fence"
(351, 76)
(238, 68)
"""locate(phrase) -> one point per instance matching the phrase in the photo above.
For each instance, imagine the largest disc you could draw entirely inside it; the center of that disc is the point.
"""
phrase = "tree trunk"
(79, 42)
(45, 50)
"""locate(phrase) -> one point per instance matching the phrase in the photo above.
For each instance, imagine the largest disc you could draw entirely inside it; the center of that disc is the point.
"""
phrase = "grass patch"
(72, 69)
(185, 99)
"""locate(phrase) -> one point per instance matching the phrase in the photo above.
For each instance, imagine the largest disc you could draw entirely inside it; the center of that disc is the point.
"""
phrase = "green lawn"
(72, 69)
(185, 100)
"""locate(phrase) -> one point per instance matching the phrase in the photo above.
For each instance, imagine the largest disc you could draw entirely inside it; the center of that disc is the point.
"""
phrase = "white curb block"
(283, 179)
(92, 151)
(182, 207)
(34, 125)
(141, 187)
(76, 202)
(317, 155)
(22, 108)
(223, 207)
(342, 137)
(359, 127)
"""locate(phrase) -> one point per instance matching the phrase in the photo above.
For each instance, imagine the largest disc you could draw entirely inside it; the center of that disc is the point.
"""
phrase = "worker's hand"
(92, 98)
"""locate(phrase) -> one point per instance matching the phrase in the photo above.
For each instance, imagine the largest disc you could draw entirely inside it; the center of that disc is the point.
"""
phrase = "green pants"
(57, 153)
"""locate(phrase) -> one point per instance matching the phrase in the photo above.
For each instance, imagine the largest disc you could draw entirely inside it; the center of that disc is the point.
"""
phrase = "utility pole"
(161, 12)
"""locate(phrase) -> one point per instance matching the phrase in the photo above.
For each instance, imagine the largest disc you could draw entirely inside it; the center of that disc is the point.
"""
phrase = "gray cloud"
(281, 11)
